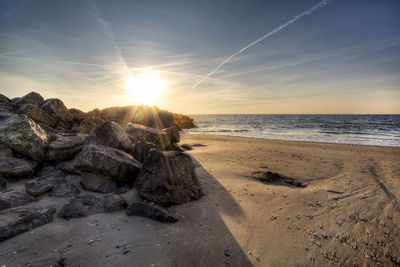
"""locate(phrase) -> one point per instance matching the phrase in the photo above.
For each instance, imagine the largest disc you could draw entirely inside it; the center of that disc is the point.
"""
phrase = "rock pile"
(111, 151)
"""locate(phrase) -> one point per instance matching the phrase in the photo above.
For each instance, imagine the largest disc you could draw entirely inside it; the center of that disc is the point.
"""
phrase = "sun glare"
(146, 86)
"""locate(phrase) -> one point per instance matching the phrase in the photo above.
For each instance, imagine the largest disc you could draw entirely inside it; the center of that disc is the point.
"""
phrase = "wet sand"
(346, 213)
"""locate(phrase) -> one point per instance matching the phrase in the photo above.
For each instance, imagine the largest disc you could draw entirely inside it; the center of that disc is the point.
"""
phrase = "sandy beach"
(345, 212)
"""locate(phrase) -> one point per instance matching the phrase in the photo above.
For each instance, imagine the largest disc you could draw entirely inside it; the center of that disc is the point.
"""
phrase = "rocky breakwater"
(89, 162)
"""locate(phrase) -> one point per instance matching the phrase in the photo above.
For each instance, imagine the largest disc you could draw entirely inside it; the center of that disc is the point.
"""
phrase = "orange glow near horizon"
(146, 86)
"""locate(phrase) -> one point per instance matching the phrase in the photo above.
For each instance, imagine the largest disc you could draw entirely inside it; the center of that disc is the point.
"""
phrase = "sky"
(341, 58)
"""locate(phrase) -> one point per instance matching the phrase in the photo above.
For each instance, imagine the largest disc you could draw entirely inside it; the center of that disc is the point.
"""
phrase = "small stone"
(91, 242)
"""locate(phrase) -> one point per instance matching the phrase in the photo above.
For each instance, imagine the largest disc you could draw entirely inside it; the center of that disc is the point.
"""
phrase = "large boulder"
(56, 108)
(5, 151)
(30, 98)
(142, 150)
(112, 135)
(22, 219)
(6, 106)
(4, 99)
(24, 136)
(85, 205)
(65, 147)
(15, 168)
(108, 161)
(168, 178)
(139, 132)
(98, 183)
(173, 134)
(52, 181)
(37, 114)
(150, 211)
(87, 124)
(13, 199)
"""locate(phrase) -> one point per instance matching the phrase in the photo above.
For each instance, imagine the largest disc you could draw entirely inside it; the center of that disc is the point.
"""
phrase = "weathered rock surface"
(5, 151)
(86, 125)
(109, 162)
(30, 98)
(139, 132)
(14, 168)
(150, 211)
(51, 181)
(68, 167)
(13, 199)
(24, 136)
(56, 108)
(3, 183)
(173, 133)
(168, 178)
(37, 114)
(141, 150)
(65, 147)
(22, 219)
(4, 99)
(85, 205)
(112, 135)
(6, 107)
(98, 183)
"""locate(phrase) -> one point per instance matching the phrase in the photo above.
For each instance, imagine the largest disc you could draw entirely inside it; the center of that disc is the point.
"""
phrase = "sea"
(379, 130)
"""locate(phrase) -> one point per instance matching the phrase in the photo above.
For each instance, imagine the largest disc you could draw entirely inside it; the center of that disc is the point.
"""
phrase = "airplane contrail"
(305, 13)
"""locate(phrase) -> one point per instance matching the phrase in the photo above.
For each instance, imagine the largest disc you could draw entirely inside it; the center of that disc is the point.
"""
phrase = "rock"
(6, 108)
(53, 182)
(24, 136)
(14, 168)
(68, 166)
(85, 205)
(113, 202)
(56, 108)
(139, 132)
(47, 128)
(86, 125)
(150, 211)
(13, 199)
(186, 146)
(31, 98)
(22, 219)
(3, 183)
(112, 135)
(65, 147)
(64, 190)
(37, 114)
(4, 99)
(109, 162)
(168, 178)
(176, 147)
(98, 183)
(77, 114)
(5, 151)
(173, 133)
(141, 150)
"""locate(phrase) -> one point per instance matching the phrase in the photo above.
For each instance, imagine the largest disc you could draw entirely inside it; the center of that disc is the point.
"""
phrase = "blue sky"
(342, 58)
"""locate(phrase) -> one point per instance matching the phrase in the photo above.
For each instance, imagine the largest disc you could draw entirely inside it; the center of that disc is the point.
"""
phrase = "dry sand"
(347, 214)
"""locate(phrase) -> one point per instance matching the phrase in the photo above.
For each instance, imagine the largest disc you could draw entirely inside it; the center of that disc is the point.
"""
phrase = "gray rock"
(173, 133)
(56, 108)
(24, 136)
(139, 132)
(3, 183)
(4, 99)
(51, 181)
(6, 108)
(186, 146)
(141, 150)
(85, 205)
(37, 114)
(64, 190)
(98, 183)
(65, 147)
(150, 211)
(110, 134)
(22, 219)
(176, 147)
(15, 168)
(30, 98)
(109, 162)
(168, 178)
(13, 199)
(5, 151)
(87, 124)
(68, 166)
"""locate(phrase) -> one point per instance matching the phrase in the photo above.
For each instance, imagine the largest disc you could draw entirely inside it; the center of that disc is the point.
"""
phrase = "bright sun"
(146, 86)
